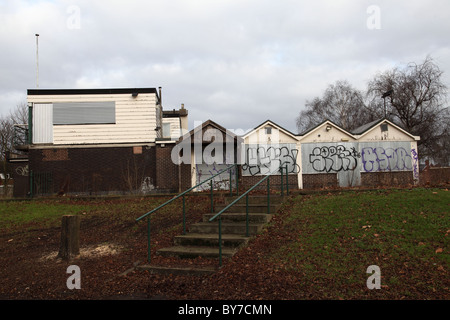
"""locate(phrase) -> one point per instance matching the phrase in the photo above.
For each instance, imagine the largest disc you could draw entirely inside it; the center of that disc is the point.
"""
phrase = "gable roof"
(366, 126)
(209, 123)
(326, 121)
(365, 129)
(273, 124)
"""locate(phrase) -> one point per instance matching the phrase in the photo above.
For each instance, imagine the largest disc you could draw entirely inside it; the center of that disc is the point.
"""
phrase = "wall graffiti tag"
(376, 159)
(415, 164)
(22, 171)
(265, 159)
(147, 185)
(220, 182)
(334, 158)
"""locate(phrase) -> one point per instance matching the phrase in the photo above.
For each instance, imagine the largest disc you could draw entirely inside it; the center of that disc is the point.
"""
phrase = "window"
(384, 127)
(166, 130)
(268, 130)
(84, 113)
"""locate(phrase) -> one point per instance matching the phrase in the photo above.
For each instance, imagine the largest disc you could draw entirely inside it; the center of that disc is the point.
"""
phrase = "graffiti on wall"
(220, 182)
(349, 159)
(22, 171)
(265, 159)
(415, 158)
(334, 158)
(147, 185)
(375, 159)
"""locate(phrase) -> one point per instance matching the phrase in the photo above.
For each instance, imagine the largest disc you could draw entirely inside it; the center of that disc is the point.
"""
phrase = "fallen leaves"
(305, 274)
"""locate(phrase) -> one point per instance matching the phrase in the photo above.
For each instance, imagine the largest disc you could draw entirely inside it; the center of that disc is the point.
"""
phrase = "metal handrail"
(267, 177)
(148, 214)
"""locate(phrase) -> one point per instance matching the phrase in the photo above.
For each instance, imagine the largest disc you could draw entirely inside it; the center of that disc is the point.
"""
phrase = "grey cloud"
(236, 62)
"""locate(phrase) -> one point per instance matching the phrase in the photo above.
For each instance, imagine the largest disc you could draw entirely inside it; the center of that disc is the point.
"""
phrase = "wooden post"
(70, 237)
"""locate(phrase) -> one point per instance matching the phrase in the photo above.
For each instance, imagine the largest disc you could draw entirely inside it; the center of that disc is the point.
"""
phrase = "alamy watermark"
(73, 21)
(374, 281)
(214, 146)
(373, 21)
(74, 281)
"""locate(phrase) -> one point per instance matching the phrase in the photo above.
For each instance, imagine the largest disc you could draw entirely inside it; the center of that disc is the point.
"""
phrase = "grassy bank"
(337, 236)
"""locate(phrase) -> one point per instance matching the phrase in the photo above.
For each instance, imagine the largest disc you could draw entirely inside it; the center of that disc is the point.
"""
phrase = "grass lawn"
(336, 237)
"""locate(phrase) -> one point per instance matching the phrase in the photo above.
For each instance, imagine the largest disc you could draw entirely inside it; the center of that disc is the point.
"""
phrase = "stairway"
(202, 239)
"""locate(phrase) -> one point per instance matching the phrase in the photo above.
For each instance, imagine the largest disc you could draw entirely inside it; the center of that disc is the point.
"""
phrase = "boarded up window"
(84, 113)
(42, 123)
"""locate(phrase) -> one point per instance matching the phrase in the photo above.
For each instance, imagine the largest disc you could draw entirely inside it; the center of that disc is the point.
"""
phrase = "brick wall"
(275, 182)
(21, 179)
(375, 179)
(186, 176)
(94, 170)
(330, 180)
(98, 171)
(167, 172)
(320, 180)
(434, 176)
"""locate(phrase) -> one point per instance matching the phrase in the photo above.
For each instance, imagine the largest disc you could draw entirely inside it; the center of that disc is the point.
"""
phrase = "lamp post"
(386, 94)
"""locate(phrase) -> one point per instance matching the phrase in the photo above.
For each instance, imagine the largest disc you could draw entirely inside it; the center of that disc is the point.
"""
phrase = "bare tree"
(416, 101)
(340, 103)
(413, 97)
(18, 115)
(6, 137)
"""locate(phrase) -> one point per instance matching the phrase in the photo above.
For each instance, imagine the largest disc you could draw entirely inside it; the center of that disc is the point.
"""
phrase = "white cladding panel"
(174, 129)
(42, 129)
(135, 120)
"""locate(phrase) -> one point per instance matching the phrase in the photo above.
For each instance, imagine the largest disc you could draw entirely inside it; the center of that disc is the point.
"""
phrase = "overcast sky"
(236, 62)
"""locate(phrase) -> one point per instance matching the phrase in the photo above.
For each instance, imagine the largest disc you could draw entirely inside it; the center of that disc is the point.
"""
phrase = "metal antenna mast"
(37, 60)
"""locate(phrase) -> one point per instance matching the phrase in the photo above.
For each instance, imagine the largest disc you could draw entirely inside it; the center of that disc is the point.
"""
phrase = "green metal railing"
(245, 194)
(41, 183)
(182, 195)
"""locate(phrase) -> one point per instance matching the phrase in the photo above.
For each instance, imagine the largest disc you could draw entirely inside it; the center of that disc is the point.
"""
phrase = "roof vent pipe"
(160, 97)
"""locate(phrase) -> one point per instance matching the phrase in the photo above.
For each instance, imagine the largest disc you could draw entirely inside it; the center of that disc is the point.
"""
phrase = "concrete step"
(227, 228)
(195, 251)
(253, 208)
(196, 271)
(210, 240)
(241, 217)
(202, 240)
(257, 199)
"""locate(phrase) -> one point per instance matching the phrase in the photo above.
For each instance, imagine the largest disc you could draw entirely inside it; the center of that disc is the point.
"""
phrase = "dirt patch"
(89, 252)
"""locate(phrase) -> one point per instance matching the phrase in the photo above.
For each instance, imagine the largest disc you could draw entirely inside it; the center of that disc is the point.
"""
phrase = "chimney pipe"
(160, 96)
(182, 106)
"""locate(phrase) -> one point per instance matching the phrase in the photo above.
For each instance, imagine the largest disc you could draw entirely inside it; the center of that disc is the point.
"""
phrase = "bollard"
(70, 237)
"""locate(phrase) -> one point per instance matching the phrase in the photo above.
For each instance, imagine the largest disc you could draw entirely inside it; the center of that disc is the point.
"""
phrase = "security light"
(387, 93)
